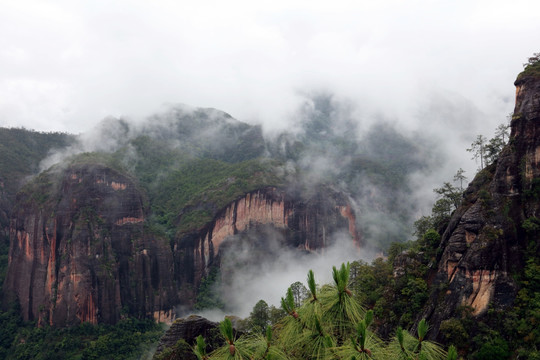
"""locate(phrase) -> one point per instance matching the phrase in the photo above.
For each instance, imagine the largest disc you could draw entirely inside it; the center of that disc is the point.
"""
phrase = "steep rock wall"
(79, 251)
(306, 222)
(484, 242)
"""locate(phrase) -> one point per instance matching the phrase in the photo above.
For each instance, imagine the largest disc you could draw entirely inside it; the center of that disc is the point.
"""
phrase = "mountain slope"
(491, 246)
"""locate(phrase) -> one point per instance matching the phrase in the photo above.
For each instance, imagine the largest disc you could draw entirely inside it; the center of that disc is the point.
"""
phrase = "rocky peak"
(483, 245)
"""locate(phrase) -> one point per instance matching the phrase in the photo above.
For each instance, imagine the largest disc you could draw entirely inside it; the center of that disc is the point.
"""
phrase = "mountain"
(490, 252)
(476, 280)
(132, 218)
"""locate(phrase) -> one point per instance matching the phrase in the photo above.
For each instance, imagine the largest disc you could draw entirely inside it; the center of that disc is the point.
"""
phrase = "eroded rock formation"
(79, 251)
(187, 329)
(484, 243)
(81, 248)
(306, 223)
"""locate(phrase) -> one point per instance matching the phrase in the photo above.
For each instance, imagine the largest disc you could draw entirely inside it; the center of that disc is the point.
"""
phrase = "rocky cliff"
(483, 247)
(80, 252)
(305, 222)
(82, 247)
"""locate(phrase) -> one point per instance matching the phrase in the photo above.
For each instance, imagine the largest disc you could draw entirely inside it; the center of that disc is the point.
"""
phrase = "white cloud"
(66, 65)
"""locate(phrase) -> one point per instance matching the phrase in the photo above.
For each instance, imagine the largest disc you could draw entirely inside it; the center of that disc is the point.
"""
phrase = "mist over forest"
(159, 159)
(388, 172)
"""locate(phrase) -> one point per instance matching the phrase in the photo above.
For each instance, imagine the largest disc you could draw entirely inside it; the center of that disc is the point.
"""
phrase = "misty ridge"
(375, 164)
(192, 162)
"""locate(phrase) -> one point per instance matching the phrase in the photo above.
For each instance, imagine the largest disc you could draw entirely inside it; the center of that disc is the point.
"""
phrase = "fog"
(66, 65)
(406, 84)
(387, 170)
(263, 269)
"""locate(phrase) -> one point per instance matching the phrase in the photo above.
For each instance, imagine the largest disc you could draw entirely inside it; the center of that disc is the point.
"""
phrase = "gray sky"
(65, 65)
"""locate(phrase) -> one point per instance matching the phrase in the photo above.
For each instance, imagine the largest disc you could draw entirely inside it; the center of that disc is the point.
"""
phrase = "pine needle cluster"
(330, 324)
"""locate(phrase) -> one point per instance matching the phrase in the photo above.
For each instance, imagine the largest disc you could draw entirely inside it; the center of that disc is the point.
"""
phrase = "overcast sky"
(65, 65)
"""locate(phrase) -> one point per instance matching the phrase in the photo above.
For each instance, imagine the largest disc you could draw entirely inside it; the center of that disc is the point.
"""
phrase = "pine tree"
(330, 324)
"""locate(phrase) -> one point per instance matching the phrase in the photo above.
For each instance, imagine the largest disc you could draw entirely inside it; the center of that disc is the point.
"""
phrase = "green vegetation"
(532, 67)
(190, 195)
(208, 294)
(22, 150)
(330, 324)
(128, 339)
(487, 151)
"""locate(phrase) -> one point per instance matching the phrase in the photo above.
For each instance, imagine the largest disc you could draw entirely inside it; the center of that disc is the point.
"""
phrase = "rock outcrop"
(306, 223)
(82, 249)
(187, 329)
(80, 252)
(485, 242)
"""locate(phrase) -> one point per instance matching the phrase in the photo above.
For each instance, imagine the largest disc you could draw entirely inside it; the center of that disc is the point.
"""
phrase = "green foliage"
(247, 347)
(188, 197)
(459, 176)
(260, 316)
(431, 239)
(395, 249)
(300, 293)
(532, 67)
(496, 348)
(454, 332)
(208, 296)
(452, 353)
(128, 339)
(312, 285)
(200, 348)
(449, 199)
(226, 329)
(332, 324)
(275, 314)
(11, 321)
(368, 282)
(478, 150)
(488, 150)
(175, 352)
(408, 347)
(22, 150)
(533, 192)
(288, 304)
(531, 225)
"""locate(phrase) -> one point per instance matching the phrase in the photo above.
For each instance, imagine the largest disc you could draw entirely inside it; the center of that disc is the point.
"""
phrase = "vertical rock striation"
(484, 243)
(307, 223)
(79, 251)
(82, 251)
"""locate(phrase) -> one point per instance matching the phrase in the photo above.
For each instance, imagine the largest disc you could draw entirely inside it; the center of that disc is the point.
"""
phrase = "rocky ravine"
(80, 250)
(484, 243)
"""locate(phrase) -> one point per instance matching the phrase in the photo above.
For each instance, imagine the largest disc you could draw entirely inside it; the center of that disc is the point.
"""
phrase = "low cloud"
(262, 267)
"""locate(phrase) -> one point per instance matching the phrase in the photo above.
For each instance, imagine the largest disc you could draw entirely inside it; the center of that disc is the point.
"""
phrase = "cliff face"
(79, 251)
(484, 243)
(306, 223)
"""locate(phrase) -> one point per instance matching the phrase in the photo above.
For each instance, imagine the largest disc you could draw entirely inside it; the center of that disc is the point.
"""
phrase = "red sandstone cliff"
(306, 223)
(79, 251)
